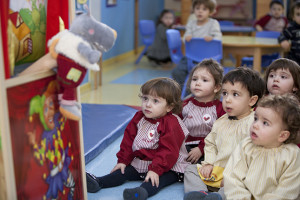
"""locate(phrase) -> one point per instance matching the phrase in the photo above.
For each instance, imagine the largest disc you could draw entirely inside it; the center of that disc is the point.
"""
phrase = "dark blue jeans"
(117, 178)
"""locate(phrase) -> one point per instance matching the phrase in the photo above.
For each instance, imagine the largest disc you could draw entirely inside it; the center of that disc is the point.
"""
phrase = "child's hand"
(206, 170)
(208, 38)
(194, 155)
(119, 166)
(285, 45)
(258, 28)
(188, 38)
(153, 177)
(222, 183)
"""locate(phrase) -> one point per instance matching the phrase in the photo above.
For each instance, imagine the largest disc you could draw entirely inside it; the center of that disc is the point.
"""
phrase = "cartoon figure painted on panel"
(51, 150)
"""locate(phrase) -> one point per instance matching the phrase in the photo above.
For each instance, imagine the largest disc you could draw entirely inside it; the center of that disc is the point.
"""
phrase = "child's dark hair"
(284, 63)
(288, 107)
(214, 68)
(296, 4)
(165, 88)
(165, 11)
(278, 2)
(250, 79)
(210, 4)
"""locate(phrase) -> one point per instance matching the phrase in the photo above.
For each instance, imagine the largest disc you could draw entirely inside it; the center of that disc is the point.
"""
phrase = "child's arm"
(234, 174)
(284, 38)
(189, 31)
(260, 24)
(125, 155)
(215, 32)
(210, 148)
(288, 186)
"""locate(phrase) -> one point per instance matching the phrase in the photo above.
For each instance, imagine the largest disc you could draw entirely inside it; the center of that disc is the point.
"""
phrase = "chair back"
(267, 34)
(174, 44)
(226, 23)
(147, 31)
(198, 49)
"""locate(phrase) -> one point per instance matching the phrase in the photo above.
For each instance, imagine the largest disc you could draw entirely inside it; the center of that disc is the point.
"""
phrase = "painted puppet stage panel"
(46, 146)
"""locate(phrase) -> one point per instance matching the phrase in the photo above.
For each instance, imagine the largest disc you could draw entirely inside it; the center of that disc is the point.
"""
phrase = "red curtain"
(4, 5)
(56, 9)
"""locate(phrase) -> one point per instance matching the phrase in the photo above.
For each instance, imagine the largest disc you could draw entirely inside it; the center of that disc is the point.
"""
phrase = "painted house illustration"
(21, 37)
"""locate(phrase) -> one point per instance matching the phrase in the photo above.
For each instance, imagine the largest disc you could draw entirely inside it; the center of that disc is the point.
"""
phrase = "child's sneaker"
(92, 183)
(195, 195)
(137, 193)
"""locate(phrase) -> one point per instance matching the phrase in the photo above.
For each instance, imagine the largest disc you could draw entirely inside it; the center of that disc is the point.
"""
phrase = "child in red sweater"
(152, 149)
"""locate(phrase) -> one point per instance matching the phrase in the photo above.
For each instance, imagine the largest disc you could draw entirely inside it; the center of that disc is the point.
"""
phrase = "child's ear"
(170, 107)
(253, 100)
(212, 12)
(217, 88)
(283, 136)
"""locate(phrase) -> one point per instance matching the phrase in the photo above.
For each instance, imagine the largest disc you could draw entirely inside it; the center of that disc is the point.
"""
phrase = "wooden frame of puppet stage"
(73, 148)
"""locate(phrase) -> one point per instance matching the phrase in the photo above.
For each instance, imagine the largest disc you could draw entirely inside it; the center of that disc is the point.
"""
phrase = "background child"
(266, 164)
(152, 149)
(273, 21)
(204, 108)
(202, 27)
(282, 77)
(158, 52)
(241, 89)
(290, 37)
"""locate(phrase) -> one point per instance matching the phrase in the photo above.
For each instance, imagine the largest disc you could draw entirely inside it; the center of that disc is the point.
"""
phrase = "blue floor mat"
(102, 124)
(140, 76)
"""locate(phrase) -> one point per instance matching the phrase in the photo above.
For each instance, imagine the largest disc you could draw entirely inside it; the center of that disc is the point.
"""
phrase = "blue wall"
(121, 18)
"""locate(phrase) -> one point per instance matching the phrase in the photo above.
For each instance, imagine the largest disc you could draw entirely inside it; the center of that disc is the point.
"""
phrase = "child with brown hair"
(241, 89)
(202, 109)
(283, 77)
(202, 27)
(266, 164)
(152, 149)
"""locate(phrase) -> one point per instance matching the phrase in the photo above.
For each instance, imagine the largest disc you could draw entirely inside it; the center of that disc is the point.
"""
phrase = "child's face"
(276, 10)
(154, 107)
(168, 19)
(236, 100)
(49, 111)
(267, 128)
(296, 16)
(203, 85)
(202, 13)
(280, 82)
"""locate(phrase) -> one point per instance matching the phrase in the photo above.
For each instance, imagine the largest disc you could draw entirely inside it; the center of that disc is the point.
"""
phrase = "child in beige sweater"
(266, 165)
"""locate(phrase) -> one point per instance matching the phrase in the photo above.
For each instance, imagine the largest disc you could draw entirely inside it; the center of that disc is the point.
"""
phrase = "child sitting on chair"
(202, 27)
(290, 37)
(152, 149)
(241, 89)
(202, 109)
(158, 52)
(266, 164)
(273, 21)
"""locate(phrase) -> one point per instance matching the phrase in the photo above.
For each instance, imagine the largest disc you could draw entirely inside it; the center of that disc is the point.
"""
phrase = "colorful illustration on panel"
(46, 146)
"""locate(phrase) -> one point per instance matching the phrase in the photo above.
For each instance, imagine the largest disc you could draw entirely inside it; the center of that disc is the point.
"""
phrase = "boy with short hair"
(201, 27)
(290, 37)
(241, 89)
(274, 20)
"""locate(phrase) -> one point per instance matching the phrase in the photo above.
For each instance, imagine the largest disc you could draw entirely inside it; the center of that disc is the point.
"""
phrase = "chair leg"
(141, 55)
